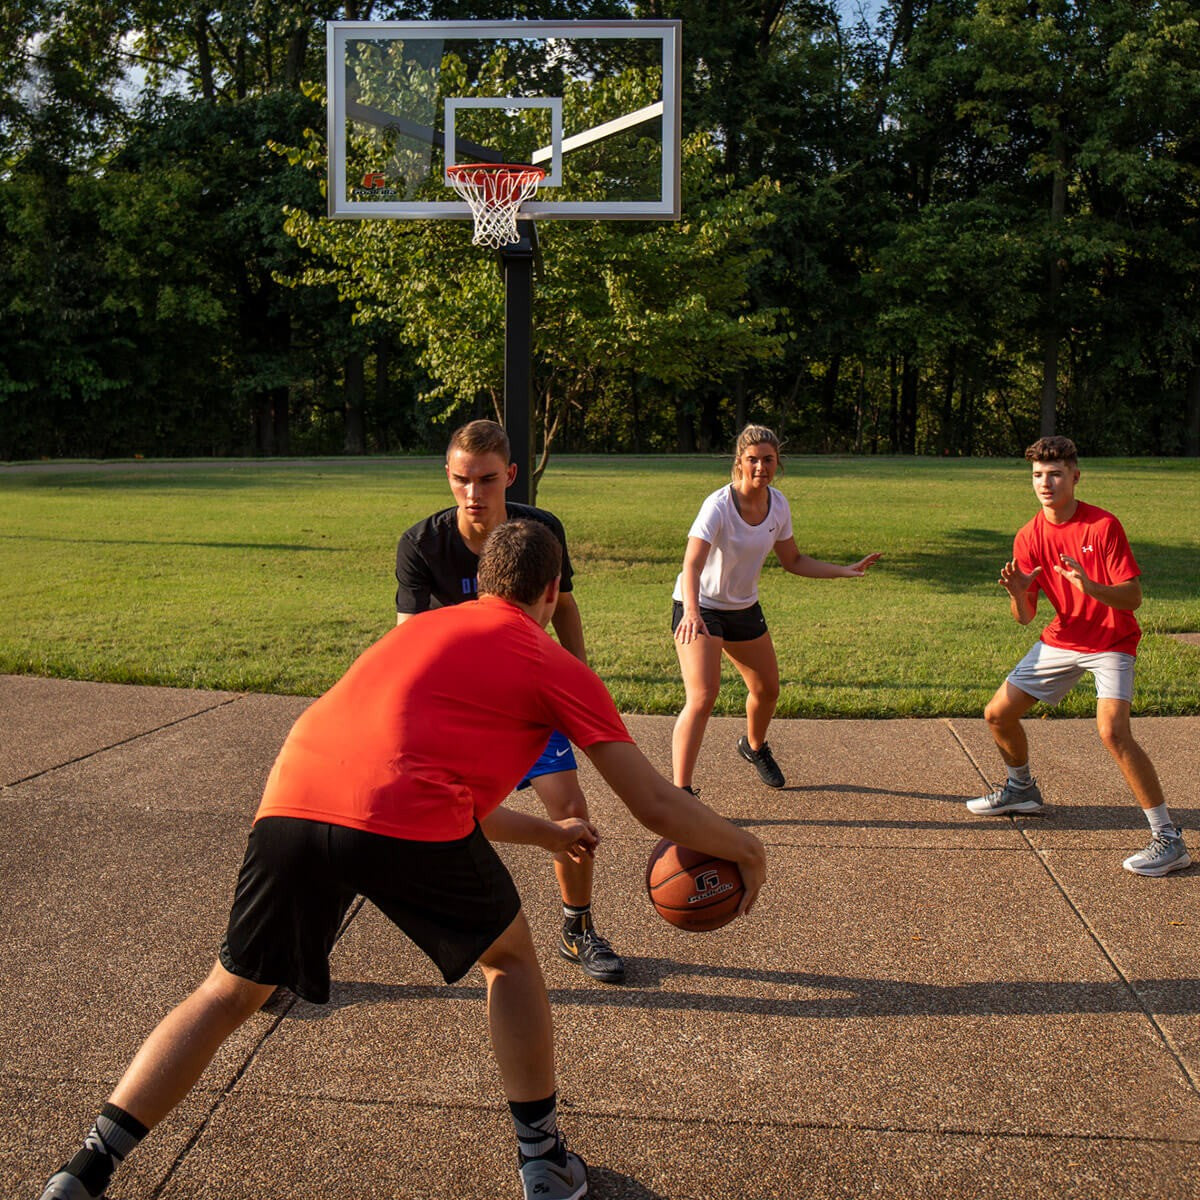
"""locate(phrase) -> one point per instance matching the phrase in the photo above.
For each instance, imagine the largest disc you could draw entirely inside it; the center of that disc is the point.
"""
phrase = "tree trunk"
(946, 438)
(685, 430)
(264, 426)
(354, 387)
(739, 400)
(908, 407)
(280, 418)
(1193, 413)
(1052, 332)
(204, 66)
(383, 391)
(829, 387)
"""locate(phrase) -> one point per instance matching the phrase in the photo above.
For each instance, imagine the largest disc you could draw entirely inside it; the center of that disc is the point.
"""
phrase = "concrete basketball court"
(925, 1003)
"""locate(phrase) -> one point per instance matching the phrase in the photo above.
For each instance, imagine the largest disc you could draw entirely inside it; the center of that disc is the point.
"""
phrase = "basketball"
(690, 890)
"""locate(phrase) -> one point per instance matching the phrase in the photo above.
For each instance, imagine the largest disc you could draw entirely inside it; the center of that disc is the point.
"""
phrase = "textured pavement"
(924, 1003)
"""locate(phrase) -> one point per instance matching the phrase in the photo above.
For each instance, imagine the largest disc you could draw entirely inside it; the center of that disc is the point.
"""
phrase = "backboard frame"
(666, 207)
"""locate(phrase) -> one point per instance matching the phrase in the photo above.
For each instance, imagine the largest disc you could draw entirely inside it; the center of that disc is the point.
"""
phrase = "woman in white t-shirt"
(716, 603)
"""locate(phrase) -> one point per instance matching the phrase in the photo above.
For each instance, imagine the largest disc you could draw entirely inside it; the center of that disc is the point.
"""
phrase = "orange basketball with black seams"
(693, 891)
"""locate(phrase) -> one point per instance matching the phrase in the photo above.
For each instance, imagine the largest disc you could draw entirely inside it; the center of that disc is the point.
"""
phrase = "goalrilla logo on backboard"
(708, 884)
(375, 185)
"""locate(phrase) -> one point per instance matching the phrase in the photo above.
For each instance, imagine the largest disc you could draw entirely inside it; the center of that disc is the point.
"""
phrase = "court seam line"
(287, 1001)
(1163, 1036)
(70, 762)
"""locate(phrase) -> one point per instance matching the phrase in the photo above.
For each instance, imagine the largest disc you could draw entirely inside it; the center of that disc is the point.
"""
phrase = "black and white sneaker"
(763, 761)
(549, 1179)
(593, 953)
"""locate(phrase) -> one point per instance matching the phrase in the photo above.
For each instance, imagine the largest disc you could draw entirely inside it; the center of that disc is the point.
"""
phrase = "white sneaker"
(1009, 798)
(1166, 853)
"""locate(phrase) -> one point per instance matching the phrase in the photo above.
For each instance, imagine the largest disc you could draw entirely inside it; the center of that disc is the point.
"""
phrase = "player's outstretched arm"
(792, 560)
(1021, 594)
(673, 813)
(574, 837)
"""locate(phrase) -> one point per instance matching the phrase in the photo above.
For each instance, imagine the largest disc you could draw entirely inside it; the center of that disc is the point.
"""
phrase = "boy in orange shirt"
(390, 786)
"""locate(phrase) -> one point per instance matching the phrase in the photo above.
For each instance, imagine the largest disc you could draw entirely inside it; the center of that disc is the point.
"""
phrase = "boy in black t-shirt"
(436, 565)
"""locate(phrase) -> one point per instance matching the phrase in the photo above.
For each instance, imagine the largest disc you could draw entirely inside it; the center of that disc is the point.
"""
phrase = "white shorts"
(1048, 673)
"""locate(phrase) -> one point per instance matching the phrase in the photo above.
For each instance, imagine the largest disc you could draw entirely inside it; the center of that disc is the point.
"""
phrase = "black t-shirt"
(436, 568)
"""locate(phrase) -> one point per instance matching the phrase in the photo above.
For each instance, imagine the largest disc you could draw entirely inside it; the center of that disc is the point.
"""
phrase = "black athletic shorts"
(299, 878)
(738, 625)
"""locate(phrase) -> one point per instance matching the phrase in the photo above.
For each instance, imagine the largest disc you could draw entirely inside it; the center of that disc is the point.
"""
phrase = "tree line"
(940, 227)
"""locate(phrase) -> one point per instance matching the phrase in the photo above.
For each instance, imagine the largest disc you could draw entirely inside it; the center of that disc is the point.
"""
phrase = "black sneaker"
(763, 762)
(593, 954)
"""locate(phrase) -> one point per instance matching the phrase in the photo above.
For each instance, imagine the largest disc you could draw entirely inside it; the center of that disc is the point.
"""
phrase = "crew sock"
(536, 1123)
(577, 919)
(86, 1176)
(1020, 777)
(1160, 820)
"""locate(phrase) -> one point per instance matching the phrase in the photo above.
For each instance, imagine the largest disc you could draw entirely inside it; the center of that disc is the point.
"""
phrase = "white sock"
(1020, 776)
(1160, 820)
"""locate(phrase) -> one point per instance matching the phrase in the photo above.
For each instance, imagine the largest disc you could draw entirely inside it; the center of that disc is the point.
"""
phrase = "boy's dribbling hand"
(573, 837)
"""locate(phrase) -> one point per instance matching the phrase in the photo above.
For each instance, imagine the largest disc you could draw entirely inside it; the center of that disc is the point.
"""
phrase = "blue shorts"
(557, 756)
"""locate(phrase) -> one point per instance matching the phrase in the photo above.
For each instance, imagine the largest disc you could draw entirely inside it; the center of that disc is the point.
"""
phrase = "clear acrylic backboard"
(596, 104)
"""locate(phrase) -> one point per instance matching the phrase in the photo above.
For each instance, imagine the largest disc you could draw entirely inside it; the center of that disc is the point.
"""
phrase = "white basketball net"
(495, 191)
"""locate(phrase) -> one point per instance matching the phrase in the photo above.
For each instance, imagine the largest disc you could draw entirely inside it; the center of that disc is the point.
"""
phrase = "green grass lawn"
(273, 577)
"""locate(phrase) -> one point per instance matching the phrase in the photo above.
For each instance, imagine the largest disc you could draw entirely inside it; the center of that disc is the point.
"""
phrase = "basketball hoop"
(495, 191)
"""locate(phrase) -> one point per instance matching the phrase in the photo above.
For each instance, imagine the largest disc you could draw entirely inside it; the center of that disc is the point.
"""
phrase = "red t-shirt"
(1094, 539)
(433, 726)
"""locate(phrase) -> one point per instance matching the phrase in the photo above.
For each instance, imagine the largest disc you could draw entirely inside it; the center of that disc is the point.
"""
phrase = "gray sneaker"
(544, 1179)
(1166, 853)
(1009, 798)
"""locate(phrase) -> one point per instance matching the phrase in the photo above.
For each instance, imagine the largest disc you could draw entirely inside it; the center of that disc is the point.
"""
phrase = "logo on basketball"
(707, 885)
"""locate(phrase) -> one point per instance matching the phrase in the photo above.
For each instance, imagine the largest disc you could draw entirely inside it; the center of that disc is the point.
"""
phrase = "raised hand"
(1014, 581)
(859, 569)
(1073, 571)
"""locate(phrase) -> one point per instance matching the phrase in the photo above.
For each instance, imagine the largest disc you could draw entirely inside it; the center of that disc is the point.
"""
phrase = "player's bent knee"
(1000, 715)
(701, 699)
(236, 999)
(1117, 737)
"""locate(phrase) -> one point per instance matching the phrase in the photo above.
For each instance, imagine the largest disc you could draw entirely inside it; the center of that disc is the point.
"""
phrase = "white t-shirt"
(729, 580)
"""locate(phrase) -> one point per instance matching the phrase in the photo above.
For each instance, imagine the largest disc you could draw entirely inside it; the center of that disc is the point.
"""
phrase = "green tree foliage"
(631, 317)
(938, 230)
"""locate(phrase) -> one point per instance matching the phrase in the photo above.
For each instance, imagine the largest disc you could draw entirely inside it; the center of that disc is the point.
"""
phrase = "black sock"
(536, 1123)
(577, 919)
(112, 1137)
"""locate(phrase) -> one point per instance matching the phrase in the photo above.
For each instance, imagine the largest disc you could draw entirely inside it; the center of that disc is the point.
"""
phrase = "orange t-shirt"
(436, 723)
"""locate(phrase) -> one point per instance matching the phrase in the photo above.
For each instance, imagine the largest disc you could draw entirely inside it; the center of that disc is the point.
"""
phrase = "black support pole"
(517, 262)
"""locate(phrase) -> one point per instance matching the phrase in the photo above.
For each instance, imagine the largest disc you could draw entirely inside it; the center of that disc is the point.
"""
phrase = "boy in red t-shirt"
(1079, 556)
(390, 787)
